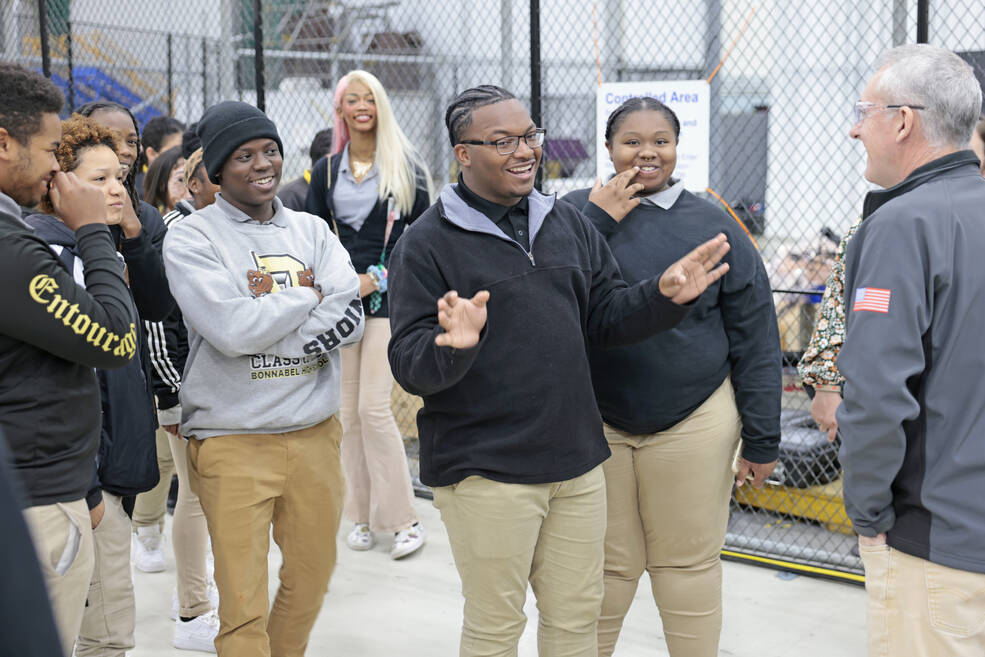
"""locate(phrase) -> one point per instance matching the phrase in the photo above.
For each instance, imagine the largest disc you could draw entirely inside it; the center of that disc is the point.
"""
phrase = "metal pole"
(170, 74)
(535, 76)
(71, 66)
(258, 52)
(923, 21)
(45, 46)
(205, 75)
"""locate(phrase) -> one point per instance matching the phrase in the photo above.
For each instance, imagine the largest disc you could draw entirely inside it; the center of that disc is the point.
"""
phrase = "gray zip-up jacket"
(913, 417)
(262, 350)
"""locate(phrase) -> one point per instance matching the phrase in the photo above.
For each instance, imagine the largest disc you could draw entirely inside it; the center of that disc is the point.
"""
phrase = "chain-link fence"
(782, 78)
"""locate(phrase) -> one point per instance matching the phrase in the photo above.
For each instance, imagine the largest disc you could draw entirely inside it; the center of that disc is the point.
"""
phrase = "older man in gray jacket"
(913, 419)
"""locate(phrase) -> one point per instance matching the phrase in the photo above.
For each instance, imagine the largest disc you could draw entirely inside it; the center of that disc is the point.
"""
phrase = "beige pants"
(378, 489)
(921, 609)
(189, 533)
(246, 483)
(150, 506)
(110, 613)
(190, 538)
(62, 535)
(504, 535)
(668, 496)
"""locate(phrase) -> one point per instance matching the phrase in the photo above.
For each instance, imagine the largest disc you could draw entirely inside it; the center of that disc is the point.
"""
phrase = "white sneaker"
(148, 554)
(407, 541)
(198, 633)
(212, 591)
(360, 538)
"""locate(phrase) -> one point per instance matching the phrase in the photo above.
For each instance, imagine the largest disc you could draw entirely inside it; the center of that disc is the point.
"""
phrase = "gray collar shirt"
(666, 198)
(353, 201)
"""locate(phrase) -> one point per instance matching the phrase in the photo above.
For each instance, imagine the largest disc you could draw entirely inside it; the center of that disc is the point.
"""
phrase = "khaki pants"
(110, 612)
(150, 506)
(504, 535)
(668, 496)
(246, 483)
(62, 535)
(189, 533)
(190, 539)
(922, 609)
(377, 480)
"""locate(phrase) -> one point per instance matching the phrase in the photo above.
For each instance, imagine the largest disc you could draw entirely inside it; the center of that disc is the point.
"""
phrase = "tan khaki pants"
(190, 539)
(150, 506)
(110, 612)
(504, 535)
(377, 480)
(668, 496)
(62, 535)
(922, 609)
(246, 483)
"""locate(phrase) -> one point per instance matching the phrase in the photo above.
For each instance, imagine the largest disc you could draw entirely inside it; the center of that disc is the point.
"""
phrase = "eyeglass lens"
(508, 145)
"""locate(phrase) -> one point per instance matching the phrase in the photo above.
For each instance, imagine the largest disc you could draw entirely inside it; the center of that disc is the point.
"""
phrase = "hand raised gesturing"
(687, 278)
(462, 319)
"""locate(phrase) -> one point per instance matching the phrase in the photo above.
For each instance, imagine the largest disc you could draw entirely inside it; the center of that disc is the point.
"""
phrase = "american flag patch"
(871, 298)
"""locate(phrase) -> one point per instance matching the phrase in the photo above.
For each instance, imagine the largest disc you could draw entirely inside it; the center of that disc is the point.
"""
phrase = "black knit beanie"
(228, 125)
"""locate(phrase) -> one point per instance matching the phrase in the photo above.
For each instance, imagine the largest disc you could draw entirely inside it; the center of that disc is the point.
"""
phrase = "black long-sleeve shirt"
(52, 334)
(731, 331)
(151, 294)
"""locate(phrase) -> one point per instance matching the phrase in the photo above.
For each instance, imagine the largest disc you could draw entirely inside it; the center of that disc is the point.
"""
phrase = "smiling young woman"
(676, 405)
(372, 186)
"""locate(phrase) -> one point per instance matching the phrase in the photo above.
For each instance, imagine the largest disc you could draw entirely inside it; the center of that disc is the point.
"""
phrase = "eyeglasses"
(862, 107)
(508, 145)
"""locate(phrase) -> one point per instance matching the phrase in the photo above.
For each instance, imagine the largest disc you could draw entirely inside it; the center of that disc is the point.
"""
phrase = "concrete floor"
(412, 608)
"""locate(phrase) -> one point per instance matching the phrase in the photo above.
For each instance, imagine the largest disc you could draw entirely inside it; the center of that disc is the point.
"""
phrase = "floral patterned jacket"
(817, 367)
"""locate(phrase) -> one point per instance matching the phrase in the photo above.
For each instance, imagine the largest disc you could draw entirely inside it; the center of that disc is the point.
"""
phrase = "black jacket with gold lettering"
(126, 463)
(53, 333)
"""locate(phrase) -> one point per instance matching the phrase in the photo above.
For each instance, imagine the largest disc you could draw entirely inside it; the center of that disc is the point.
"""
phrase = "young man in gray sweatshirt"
(268, 296)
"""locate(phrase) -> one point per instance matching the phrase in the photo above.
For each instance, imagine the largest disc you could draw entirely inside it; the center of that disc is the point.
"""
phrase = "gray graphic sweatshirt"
(262, 350)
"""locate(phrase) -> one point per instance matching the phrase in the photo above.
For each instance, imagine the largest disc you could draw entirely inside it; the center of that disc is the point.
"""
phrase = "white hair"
(940, 81)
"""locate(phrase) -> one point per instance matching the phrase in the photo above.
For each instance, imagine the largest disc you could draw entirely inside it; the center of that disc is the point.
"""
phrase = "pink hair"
(340, 134)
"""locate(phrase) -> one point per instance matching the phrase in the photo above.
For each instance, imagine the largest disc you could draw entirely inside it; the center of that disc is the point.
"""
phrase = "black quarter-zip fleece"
(519, 406)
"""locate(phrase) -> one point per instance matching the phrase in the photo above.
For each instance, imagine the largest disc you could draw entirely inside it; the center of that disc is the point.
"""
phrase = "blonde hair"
(193, 162)
(397, 161)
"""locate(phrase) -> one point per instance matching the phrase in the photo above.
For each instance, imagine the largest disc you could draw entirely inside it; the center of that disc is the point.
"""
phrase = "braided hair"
(130, 184)
(622, 112)
(458, 116)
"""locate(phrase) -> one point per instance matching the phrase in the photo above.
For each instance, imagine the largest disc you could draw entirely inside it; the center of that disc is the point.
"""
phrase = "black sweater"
(653, 385)
(366, 244)
(49, 397)
(519, 406)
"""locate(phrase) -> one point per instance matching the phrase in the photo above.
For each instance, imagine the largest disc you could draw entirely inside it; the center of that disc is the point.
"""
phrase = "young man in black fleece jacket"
(52, 334)
(511, 437)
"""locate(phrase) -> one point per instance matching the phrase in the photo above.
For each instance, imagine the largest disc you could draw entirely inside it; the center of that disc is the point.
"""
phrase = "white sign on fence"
(690, 100)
